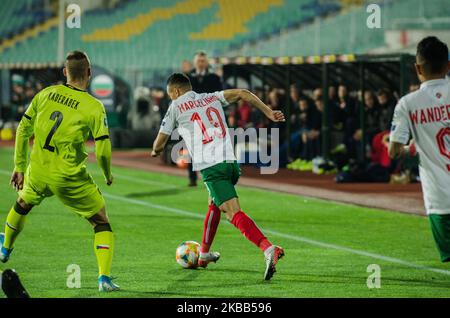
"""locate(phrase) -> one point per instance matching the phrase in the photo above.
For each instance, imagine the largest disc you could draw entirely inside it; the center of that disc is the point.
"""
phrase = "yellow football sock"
(104, 247)
(14, 225)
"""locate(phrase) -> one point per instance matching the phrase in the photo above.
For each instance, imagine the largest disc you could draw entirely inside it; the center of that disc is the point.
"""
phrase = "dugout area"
(114, 92)
(358, 72)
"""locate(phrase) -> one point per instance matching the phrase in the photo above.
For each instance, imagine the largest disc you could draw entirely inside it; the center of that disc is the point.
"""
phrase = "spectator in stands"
(301, 119)
(379, 113)
(344, 111)
(343, 121)
(29, 92)
(310, 123)
(372, 113)
(371, 123)
(257, 116)
(186, 67)
(317, 94)
(294, 93)
(274, 99)
(332, 95)
(304, 127)
(378, 170)
(218, 70)
(386, 108)
(242, 116)
(203, 81)
(311, 138)
(259, 92)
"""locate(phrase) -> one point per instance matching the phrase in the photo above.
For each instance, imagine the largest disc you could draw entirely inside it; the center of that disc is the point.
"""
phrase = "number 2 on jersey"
(58, 116)
(219, 123)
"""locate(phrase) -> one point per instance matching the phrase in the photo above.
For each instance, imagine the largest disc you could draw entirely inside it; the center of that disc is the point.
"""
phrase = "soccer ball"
(187, 254)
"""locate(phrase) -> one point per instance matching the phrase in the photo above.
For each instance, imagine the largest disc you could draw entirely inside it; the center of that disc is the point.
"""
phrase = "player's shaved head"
(177, 85)
(78, 66)
(179, 80)
(432, 56)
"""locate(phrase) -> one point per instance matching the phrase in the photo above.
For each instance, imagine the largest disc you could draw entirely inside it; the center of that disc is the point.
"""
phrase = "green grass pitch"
(328, 245)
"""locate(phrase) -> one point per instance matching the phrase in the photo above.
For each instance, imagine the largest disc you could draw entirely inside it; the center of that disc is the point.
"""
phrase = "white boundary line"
(287, 236)
(136, 180)
(279, 234)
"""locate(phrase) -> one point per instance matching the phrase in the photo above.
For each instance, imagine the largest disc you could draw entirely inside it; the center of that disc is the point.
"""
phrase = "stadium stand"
(221, 27)
(338, 33)
(23, 14)
(213, 25)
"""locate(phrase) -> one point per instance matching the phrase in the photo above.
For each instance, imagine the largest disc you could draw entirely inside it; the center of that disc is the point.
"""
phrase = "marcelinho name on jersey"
(198, 103)
(64, 100)
(430, 115)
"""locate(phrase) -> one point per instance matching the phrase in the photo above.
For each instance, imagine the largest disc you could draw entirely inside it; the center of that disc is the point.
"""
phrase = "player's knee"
(229, 211)
(22, 207)
(230, 208)
(229, 215)
(99, 219)
(104, 227)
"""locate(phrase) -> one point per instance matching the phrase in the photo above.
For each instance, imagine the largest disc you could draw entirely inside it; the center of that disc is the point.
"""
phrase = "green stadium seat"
(161, 43)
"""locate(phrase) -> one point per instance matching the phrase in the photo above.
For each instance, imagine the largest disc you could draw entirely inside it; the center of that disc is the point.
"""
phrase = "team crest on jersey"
(438, 95)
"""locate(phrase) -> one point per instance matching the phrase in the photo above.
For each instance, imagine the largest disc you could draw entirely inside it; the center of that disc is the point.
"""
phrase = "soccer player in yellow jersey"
(62, 117)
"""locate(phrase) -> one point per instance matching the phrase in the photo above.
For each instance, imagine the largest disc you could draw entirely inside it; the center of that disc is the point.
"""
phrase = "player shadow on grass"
(165, 294)
(183, 285)
(159, 193)
(230, 270)
(391, 281)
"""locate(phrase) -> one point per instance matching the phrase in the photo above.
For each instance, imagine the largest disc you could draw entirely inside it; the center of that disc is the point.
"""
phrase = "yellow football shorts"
(81, 196)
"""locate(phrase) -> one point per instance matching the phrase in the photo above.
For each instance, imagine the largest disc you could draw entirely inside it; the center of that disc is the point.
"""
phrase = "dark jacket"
(306, 119)
(386, 112)
(208, 83)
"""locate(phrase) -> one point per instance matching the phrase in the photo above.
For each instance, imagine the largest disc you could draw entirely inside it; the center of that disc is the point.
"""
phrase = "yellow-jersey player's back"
(61, 118)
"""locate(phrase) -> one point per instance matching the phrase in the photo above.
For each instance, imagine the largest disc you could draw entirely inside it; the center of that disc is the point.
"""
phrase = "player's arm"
(398, 150)
(159, 143)
(23, 134)
(103, 154)
(100, 132)
(234, 95)
(168, 124)
(400, 134)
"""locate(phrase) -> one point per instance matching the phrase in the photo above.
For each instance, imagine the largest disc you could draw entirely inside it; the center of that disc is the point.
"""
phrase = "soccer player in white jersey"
(201, 122)
(425, 114)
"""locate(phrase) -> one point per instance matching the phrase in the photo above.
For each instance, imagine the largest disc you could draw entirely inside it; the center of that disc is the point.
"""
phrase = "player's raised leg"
(103, 248)
(250, 230)
(15, 222)
(210, 225)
